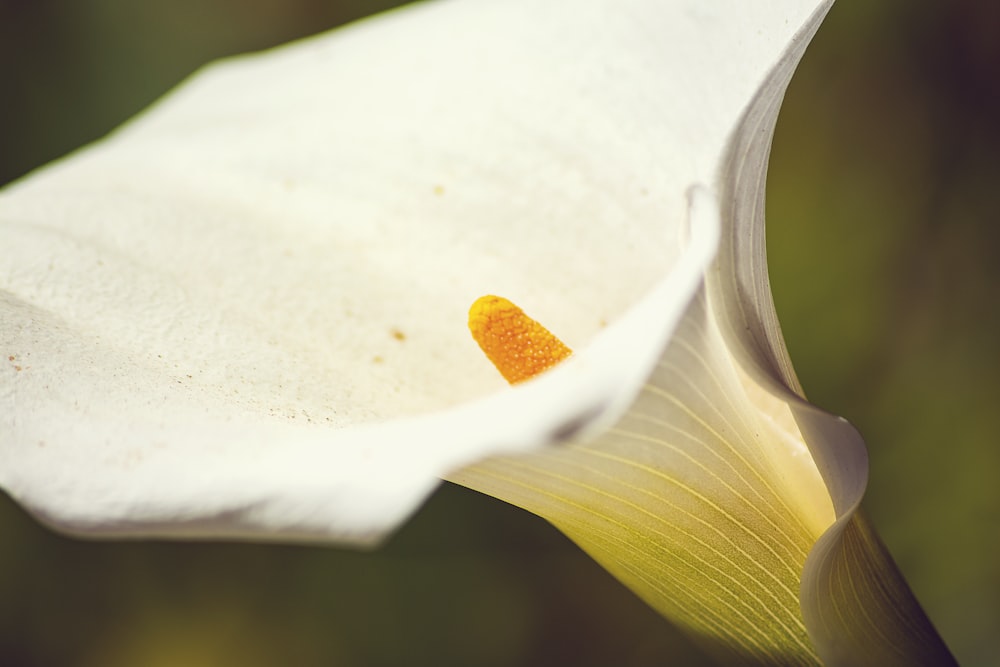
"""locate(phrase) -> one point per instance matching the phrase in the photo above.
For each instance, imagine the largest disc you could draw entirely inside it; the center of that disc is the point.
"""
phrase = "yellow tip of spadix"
(518, 346)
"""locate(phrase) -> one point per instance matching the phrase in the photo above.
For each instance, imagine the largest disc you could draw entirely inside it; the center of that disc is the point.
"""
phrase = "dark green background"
(884, 254)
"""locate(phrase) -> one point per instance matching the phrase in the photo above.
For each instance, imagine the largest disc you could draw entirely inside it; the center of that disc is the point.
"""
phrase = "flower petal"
(228, 318)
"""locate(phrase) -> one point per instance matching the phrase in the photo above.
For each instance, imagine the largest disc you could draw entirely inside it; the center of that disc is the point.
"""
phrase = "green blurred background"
(884, 254)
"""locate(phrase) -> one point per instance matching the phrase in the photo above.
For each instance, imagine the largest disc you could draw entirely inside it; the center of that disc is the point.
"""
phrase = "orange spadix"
(518, 346)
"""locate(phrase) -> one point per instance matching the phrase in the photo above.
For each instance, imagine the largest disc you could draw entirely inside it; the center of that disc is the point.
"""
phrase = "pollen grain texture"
(518, 346)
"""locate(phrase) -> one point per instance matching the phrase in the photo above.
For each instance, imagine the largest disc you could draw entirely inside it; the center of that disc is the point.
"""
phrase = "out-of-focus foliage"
(882, 246)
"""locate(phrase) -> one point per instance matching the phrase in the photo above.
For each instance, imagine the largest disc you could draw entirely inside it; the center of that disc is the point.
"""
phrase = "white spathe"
(243, 313)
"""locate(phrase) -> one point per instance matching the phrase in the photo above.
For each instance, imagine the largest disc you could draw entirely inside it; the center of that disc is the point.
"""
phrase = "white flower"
(242, 315)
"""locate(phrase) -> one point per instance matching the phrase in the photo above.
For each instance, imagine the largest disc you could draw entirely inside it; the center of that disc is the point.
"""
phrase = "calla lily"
(241, 315)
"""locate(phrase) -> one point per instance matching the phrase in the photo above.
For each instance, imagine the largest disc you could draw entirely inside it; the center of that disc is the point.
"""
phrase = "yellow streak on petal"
(518, 346)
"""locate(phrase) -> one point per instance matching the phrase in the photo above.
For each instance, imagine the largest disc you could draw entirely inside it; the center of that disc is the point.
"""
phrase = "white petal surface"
(226, 318)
